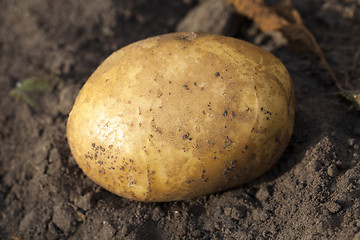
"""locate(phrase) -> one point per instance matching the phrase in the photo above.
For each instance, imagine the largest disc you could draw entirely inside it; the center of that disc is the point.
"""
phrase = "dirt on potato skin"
(313, 192)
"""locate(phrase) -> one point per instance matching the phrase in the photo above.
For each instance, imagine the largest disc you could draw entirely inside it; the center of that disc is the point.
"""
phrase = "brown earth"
(313, 192)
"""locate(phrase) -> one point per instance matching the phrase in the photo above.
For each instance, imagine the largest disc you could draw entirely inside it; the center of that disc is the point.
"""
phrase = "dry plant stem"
(346, 74)
(293, 28)
(300, 34)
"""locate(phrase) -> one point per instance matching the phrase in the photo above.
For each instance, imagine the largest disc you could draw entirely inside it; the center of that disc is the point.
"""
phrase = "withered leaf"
(285, 18)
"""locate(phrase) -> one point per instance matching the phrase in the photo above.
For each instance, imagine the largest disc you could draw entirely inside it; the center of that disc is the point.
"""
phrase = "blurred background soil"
(313, 192)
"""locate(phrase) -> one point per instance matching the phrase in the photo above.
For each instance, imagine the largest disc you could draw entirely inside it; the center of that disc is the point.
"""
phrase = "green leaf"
(40, 83)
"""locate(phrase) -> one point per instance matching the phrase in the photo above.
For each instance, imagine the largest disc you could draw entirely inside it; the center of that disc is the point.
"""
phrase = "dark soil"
(313, 192)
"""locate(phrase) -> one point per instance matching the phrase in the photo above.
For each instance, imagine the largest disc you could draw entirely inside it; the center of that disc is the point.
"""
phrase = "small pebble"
(333, 207)
(80, 217)
(351, 142)
(66, 99)
(262, 194)
(157, 214)
(196, 233)
(227, 211)
(332, 171)
(238, 213)
(106, 231)
(212, 16)
(217, 226)
(339, 164)
(351, 186)
(54, 155)
(63, 218)
(315, 165)
(84, 202)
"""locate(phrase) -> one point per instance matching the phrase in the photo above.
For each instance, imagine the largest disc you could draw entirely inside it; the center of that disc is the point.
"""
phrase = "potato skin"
(181, 115)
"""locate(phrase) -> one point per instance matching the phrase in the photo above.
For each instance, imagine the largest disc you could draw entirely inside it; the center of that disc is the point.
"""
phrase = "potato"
(181, 115)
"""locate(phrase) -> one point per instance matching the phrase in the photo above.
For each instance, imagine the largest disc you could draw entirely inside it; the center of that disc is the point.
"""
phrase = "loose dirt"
(313, 192)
